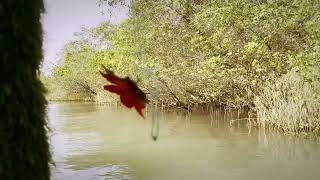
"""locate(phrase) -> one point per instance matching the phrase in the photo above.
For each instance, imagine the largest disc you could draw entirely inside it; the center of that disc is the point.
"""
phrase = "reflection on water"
(94, 142)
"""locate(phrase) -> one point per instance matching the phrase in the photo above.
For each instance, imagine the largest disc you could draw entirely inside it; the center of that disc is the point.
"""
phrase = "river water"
(97, 142)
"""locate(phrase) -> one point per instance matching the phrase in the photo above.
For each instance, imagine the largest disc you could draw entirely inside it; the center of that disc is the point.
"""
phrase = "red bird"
(130, 94)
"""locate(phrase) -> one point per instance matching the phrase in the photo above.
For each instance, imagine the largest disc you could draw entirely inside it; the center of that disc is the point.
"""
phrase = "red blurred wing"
(127, 100)
(114, 79)
(130, 94)
(139, 106)
(113, 89)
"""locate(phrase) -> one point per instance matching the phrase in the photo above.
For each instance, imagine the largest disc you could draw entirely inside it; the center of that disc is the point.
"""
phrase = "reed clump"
(291, 104)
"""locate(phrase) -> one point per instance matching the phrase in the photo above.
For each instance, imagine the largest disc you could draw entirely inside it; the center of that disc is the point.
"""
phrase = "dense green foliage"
(191, 52)
(24, 150)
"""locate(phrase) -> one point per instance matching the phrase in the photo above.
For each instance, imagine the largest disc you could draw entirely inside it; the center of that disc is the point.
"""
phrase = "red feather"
(130, 94)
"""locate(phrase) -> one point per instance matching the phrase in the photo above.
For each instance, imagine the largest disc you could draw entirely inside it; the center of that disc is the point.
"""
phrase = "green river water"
(97, 142)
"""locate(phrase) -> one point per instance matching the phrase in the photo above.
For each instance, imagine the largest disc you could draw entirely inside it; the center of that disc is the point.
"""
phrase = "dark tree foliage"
(24, 148)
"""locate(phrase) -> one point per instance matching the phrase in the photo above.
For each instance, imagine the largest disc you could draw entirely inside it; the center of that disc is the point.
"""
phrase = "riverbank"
(281, 106)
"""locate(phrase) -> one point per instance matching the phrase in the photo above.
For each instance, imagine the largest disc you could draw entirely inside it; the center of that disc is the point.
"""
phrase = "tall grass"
(291, 104)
